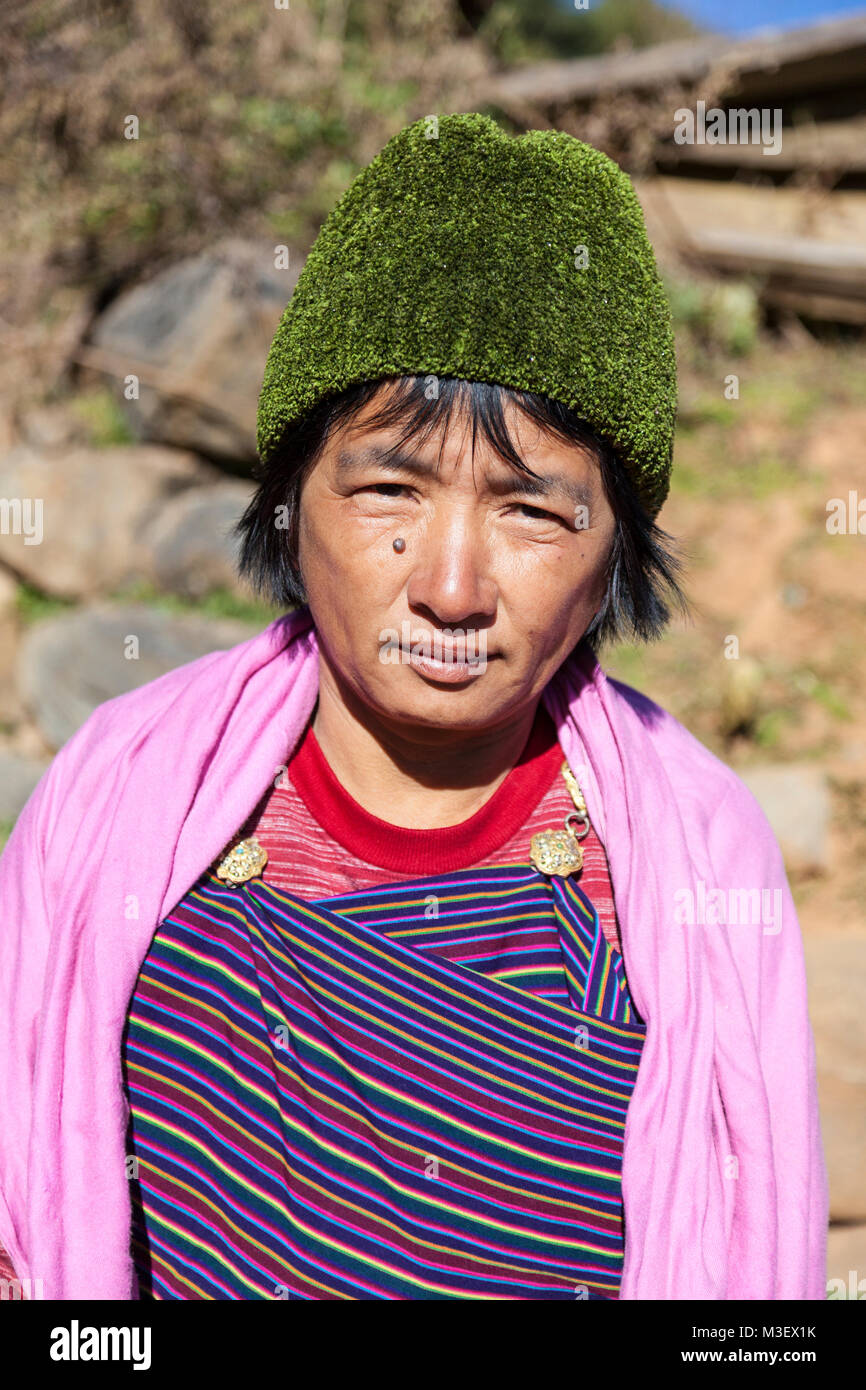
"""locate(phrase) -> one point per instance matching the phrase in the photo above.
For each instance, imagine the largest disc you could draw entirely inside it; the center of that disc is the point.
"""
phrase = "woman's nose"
(450, 575)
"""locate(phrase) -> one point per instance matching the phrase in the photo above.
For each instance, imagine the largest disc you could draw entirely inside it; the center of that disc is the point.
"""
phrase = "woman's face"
(496, 566)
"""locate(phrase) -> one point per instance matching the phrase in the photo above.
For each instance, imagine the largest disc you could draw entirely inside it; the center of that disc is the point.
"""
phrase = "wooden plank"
(822, 265)
(675, 209)
(830, 308)
(575, 79)
(807, 251)
(776, 61)
(837, 145)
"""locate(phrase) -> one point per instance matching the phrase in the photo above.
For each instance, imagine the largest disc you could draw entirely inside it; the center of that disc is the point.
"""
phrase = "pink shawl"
(724, 1183)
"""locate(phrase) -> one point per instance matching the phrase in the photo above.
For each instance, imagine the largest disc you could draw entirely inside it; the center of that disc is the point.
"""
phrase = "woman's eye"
(537, 512)
(386, 489)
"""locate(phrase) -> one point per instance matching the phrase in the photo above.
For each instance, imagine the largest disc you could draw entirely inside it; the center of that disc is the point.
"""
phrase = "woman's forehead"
(559, 469)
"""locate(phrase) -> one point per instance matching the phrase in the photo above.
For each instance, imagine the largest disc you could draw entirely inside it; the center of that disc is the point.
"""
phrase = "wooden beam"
(774, 61)
(827, 307)
(824, 266)
(837, 145)
(677, 209)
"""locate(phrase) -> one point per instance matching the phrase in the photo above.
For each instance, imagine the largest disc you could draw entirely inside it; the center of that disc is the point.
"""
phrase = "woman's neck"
(413, 776)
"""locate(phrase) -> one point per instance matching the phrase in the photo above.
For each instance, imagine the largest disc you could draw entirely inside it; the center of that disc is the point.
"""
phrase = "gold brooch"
(559, 851)
(243, 860)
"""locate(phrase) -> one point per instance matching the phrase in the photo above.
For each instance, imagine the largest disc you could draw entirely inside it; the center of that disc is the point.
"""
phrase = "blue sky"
(745, 16)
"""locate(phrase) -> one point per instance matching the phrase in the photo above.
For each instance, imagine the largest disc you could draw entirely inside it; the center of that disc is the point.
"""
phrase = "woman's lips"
(450, 670)
(451, 657)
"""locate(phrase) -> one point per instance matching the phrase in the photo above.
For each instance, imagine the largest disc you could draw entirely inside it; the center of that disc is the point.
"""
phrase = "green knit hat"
(463, 251)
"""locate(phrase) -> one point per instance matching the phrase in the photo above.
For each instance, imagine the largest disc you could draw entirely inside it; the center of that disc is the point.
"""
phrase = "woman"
(362, 960)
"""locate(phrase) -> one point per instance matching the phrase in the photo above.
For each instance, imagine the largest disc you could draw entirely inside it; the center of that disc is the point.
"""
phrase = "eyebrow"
(515, 485)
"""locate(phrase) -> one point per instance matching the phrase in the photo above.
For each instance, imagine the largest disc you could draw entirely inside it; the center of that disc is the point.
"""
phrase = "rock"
(18, 777)
(10, 705)
(796, 801)
(27, 742)
(197, 336)
(50, 426)
(836, 972)
(72, 663)
(740, 694)
(189, 544)
(8, 434)
(78, 514)
(846, 1262)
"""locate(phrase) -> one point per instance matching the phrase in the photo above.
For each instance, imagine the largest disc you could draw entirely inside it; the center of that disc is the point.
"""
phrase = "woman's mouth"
(447, 668)
(451, 658)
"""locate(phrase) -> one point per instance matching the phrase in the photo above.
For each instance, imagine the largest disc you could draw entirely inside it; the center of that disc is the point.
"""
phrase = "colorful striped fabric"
(356, 1098)
(511, 924)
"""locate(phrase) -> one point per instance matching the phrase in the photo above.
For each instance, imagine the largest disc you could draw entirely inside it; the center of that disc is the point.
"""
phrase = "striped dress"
(413, 1091)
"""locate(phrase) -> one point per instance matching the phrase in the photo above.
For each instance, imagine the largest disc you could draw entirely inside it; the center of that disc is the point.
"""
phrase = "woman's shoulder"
(706, 787)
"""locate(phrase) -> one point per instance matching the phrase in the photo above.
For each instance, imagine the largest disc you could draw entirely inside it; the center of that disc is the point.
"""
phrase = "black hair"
(642, 568)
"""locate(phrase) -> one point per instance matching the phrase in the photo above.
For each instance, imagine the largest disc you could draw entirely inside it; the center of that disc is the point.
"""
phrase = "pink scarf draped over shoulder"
(724, 1182)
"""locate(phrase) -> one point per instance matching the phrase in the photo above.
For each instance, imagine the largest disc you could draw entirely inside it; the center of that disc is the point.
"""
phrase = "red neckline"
(439, 850)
